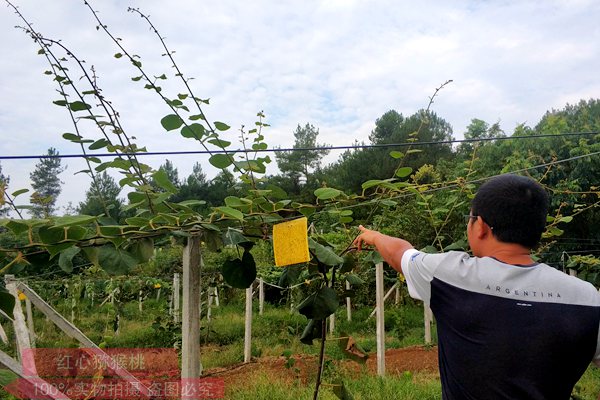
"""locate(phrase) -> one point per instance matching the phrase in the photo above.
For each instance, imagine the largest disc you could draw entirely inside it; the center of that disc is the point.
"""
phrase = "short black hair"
(515, 207)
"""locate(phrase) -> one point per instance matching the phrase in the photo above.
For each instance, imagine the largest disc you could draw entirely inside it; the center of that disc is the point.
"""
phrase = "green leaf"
(554, 231)
(220, 143)
(313, 330)
(72, 137)
(50, 235)
(341, 392)
(349, 263)
(230, 212)
(118, 55)
(171, 122)
(354, 279)
(412, 151)
(324, 254)
(396, 154)
(221, 126)
(194, 131)
(196, 117)
(403, 172)
(98, 144)
(220, 160)
(142, 249)
(79, 106)
(352, 350)
(17, 227)
(289, 275)
(18, 192)
(138, 221)
(7, 300)
(234, 237)
(319, 305)
(240, 273)
(192, 203)
(115, 261)
(65, 260)
(389, 203)
(69, 220)
(327, 193)
(162, 180)
(566, 219)
(61, 103)
(233, 201)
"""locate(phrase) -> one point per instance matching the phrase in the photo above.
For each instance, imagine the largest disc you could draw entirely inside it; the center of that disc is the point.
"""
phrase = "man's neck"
(509, 253)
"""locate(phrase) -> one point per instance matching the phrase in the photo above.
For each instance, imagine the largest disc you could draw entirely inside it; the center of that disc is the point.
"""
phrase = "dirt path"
(397, 361)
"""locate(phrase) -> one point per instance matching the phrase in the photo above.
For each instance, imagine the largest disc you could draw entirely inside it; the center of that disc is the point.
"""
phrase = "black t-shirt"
(506, 331)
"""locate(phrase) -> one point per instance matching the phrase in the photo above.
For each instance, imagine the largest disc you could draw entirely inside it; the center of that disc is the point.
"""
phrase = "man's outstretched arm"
(391, 249)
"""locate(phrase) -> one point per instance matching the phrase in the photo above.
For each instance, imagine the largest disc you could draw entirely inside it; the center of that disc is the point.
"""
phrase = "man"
(508, 327)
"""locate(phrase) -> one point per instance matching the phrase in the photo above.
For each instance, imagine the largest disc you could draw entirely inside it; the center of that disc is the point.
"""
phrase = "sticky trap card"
(290, 242)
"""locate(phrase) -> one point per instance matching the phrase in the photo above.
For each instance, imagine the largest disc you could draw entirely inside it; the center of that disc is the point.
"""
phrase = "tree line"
(301, 171)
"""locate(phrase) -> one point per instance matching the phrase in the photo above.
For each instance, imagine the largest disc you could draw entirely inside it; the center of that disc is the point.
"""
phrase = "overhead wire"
(292, 149)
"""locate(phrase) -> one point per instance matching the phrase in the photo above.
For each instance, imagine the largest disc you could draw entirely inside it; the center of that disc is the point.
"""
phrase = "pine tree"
(46, 184)
(102, 198)
(4, 180)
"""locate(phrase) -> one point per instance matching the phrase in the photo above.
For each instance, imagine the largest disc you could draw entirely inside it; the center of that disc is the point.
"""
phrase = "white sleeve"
(418, 273)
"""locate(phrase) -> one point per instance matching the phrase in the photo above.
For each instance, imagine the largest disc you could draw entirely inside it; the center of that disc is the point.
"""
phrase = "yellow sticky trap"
(290, 242)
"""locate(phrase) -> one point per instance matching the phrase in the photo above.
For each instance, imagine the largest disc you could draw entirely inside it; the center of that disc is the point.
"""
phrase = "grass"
(406, 387)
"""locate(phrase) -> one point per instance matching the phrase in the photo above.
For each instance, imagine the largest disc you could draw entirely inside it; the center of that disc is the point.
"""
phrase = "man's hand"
(366, 237)
(390, 248)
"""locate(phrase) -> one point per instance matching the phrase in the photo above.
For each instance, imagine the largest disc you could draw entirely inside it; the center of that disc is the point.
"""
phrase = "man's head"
(514, 207)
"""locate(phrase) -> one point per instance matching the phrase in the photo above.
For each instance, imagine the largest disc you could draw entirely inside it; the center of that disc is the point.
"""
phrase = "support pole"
(217, 304)
(248, 326)
(72, 331)
(348, 304)
(176, 291)
(209, 304)
(261, 296)
(397, 295)
(380, 320)
(331, 324)
(428, 320)
(30, 325)
(21, 331)
(191, 367)
(3, 335)
(387, 295)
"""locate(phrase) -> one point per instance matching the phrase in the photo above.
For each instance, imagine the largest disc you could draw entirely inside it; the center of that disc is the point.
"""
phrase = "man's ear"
(482, 229)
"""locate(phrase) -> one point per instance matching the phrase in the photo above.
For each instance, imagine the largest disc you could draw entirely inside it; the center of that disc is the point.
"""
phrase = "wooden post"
(380, 320)
(331, 324)
(140, 301)
(21, 332)
(428, 320)
(176, 302)
(3, 335)
(30, 325)
(387, 295)
(217, 297)
(191, 367)
(572, 272)
(38, 385)
(72, 331)
(261, 296)
(209, 304)
(348, 304)
(397, 296)
(248, 326)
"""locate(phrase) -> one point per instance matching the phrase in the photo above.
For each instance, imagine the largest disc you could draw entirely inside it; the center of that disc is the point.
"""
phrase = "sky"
(336, 64)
